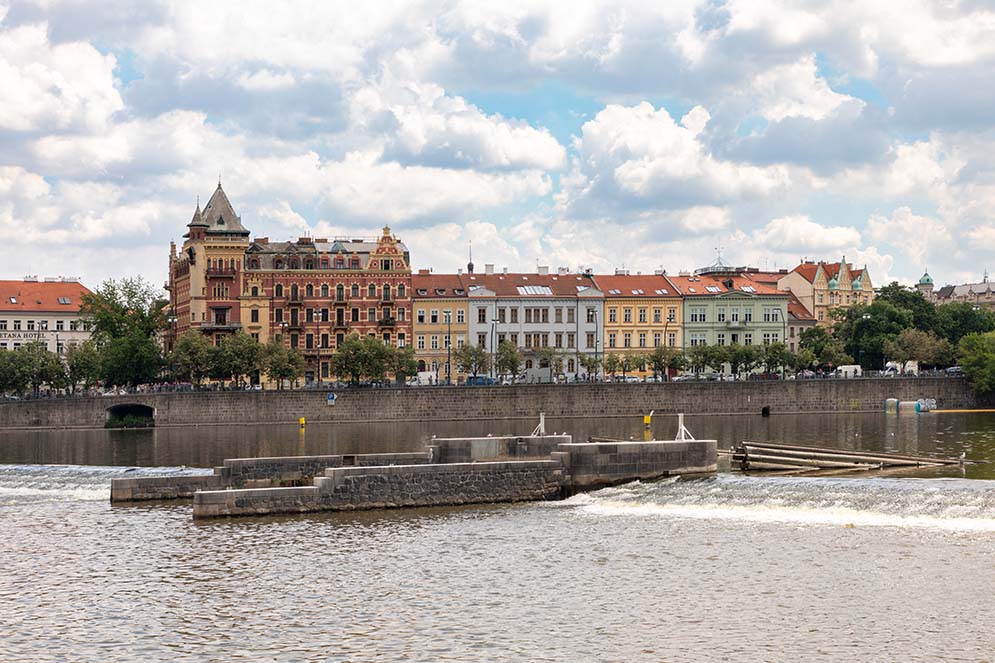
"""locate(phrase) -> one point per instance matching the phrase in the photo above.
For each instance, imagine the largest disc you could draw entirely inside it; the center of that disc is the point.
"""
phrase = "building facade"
(641, 312)
(727, 309)
(980, 294)
(563, 311)
(440, 323)
(823, 287)
(46, 311)
(310, 294)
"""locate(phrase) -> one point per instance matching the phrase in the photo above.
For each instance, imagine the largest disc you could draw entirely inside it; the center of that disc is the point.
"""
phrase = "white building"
(533, 311)
(47, 310)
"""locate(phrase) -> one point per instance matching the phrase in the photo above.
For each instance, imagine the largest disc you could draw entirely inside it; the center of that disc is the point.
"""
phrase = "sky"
(642, 135)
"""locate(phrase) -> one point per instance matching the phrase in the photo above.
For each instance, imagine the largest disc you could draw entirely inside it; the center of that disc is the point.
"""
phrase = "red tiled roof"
(697, 286)
(437, 285)
(637, 285)
(798, 311)
(41, 296)
(518, 285)
(808, 270)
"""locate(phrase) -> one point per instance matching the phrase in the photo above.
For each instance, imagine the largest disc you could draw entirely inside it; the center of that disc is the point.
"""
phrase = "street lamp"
(860, 348)
(449, 347)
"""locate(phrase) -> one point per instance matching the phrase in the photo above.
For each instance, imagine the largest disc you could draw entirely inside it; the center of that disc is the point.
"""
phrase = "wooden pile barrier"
(767, 456)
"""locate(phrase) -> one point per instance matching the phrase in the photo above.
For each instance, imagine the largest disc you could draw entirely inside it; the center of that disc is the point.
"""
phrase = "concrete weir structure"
(450, 472)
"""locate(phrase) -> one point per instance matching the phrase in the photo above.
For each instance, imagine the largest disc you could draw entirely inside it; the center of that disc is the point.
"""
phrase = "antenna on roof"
(469, 264)
(219, 179)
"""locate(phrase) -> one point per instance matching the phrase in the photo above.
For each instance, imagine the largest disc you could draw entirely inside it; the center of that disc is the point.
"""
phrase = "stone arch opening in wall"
(309, 290)
(279, 290)
(130, 415)
(324, 290)
(355, 290)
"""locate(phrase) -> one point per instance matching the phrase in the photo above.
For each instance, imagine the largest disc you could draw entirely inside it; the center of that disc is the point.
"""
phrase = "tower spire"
(469, 265)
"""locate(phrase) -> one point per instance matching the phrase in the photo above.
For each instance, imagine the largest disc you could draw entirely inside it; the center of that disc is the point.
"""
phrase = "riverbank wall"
(492, 403)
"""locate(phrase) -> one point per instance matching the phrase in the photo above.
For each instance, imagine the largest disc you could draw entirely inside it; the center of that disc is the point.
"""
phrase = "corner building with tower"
(309, 294)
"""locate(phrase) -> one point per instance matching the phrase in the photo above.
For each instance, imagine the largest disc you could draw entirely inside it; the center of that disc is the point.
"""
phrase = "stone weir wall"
(571, 468)
(512, 402)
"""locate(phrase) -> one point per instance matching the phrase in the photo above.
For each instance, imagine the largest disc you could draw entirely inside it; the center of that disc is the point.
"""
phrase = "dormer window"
(64, 300)
(221, 221)
(13, 300)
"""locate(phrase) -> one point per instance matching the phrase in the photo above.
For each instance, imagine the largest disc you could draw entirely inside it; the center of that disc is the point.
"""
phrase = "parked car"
(955, 372)
(480, 381)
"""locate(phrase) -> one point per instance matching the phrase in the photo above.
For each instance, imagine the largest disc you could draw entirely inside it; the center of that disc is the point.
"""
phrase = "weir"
(450, 471)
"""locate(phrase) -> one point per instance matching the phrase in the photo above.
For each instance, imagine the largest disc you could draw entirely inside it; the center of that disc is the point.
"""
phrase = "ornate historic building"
(822, 287)
(46, 311)
(309, 293)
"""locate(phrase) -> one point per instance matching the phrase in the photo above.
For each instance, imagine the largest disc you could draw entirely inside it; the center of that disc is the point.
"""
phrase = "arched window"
(295, 292)
(253, 264)
(255, 291)
(277, 264)
(386, 293)
(324, 290)
(400, 290)
(324, 263)
(309, 264)
(309, 290)
(295, 263)
(372, 291)
(355, 290)
(340, 292)
(279, 290)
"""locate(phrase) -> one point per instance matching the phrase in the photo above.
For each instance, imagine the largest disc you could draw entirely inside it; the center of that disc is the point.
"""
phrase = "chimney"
(459, 270)
(424, 271)
(504, 270)
(488, 268)
(621, 272)
(562, 271)
(657, 272)
(543, 270)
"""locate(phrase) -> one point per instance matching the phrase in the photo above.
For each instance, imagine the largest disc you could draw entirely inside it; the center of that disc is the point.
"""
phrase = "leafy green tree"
(348, 360)
(377, 358)
(472, 359)
(404, 364)
(662, 359)
(958, 319)
(833, 355)
(238, 355)
(612, 364)
(637, 361)
(865, 329)
(82, 364)
(192, 357)
(774, 356)
(550, 357)
(802, 360)
(13, 373)
(921, 310)
(509, 358)
(976, 355)
(815, 339)
(132, 359)
(281, 363)
(743, 358)
(920, 346)
(717, 357)
(698, 357)
(120, 308)
(591, 365)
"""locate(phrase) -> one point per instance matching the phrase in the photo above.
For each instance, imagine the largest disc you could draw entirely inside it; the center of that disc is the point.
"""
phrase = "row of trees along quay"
(128, 317)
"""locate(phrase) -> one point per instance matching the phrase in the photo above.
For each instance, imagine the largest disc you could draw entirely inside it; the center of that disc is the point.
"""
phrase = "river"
(734, 568)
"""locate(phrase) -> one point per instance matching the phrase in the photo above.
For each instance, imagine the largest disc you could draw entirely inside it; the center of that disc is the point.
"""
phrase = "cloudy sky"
(642, 134)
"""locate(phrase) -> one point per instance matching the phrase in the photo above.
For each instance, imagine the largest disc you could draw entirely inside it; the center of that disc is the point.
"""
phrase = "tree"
(865, 329)
(612, 364)
(282, 364)
(348, 360)
(922, 311)
(509, 359)
(636, 360)
(833, 354)
(82, 364)
(920, 346)
(404, 363)
(472, 359)
(958, 319)
(130, 360)
(40, 366)
(743, 358)
(662, 359)
(377, 359)
(238, 355)
(774, 356)
(13, 373)
(815, 339)
(591, 365)
(976, 355)
(550, 357)
(698, 357)
(119, 308)
(802, 360)
(192, 357)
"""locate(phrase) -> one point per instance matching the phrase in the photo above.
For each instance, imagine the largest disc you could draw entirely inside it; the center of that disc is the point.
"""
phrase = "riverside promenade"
(492, 403)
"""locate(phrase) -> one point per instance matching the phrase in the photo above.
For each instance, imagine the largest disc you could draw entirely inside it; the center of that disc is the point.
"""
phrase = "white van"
(848, 371)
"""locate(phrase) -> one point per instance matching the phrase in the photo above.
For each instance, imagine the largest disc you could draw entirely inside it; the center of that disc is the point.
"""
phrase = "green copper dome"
(834, 283)
(926, 279)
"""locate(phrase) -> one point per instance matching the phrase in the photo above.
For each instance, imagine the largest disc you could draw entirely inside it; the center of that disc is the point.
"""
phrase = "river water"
(734, 568)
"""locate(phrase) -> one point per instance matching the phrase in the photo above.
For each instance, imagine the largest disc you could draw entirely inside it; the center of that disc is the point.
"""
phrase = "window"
(611, 339)
(545, 315)
(461, 316)
(324, 289)
(371, 314)
(254, 315)
(64, 300)
(355, 290)
(324, 315)
(698, 314)
(559, 315)
(324, 340)
(482, 340)
(698, 338)
(371, 291)
(592, 316)
(766, 338)
(720, 314)
(657, 315)
(627, 340)
(571, 316)
(293, 340)
(672, 339)
(420, 342)
(309, 341)
(642, 339)
(500, 313)
(720, 339)
(482, 315)
(528, 316)
(400, 314)
(401, 340)
(590, 340)
(400, 295)
(748, 315)
(461, 340)
(309, 315)
(434, 317)
(434, 344)
(514, 340)
(3, 325)
(656, 339)
(642, 315)
(748, 339)
(627, 315)
(558, 341)
(31, 325)
(822, 316)
(309, 290)
(386, 293)
(420, 316)
(255, 291)
(278, 290)
(672, 314)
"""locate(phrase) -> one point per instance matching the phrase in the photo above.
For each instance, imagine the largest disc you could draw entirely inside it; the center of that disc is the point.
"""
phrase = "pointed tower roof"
(198, 218)
(220, 217)
(926, 279)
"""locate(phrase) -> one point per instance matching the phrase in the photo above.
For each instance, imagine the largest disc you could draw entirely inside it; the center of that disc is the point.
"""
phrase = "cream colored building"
(822, 287)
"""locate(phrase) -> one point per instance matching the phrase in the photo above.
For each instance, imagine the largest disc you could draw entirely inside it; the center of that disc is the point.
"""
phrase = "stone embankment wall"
(596, 464)
(513, 402)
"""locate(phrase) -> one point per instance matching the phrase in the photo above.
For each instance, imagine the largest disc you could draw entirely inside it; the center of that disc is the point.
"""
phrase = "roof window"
(13, 300)
(712, 288)
(661, 291)
(534, 290)
(748, 288)
(614, 292)
(690, 289)
(64, 300)
(422, 291)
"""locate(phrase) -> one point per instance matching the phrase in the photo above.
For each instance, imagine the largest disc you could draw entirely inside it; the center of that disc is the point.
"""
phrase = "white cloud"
(795, 90)
(265, 80)
(913, 235)
(802, 235)
(56, 87)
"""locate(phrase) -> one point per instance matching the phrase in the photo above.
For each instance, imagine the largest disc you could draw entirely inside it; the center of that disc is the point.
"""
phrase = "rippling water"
(727, 569)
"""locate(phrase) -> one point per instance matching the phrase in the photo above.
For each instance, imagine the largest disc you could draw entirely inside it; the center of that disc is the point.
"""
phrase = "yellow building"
(440, 324)
(641, 312)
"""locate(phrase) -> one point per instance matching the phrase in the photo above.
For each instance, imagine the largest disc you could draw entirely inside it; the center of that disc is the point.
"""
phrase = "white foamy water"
(32, 484)
(953, 505)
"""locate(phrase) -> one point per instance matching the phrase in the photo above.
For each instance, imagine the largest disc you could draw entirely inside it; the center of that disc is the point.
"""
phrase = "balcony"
(735, 324)
(220, 325)
(221, 272)
(295, 300)
(341, 301)
(386, 322)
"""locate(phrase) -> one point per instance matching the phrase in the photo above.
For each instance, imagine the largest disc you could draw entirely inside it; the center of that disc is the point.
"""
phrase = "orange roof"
(431, 286)
(798, 311)
(770, 278)
(529, 285)
(41, 296)
(808, 270)
(637, 285)
(709, 285)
